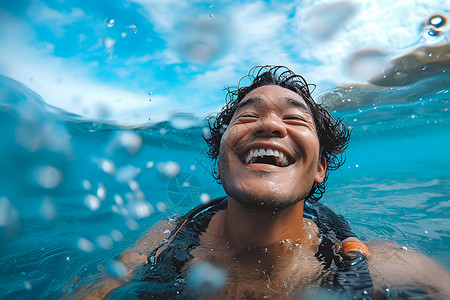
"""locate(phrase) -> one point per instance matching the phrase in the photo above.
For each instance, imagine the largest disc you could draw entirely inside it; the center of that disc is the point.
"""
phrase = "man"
(274, 148)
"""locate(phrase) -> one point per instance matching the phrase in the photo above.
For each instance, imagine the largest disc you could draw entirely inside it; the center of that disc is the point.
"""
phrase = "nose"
(270, 126)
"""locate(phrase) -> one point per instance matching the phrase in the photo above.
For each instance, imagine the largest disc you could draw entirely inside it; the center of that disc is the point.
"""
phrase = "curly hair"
(333, 134)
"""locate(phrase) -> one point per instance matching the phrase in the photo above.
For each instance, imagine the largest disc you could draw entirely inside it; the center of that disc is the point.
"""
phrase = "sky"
(139, 61)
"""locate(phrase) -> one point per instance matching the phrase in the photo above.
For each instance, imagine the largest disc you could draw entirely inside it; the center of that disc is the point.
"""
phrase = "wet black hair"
(333, 134)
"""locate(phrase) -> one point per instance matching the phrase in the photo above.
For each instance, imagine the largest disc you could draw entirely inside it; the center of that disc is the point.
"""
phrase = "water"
(76, 191)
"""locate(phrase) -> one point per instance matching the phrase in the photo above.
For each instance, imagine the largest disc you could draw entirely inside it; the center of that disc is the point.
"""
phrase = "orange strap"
(356, 246)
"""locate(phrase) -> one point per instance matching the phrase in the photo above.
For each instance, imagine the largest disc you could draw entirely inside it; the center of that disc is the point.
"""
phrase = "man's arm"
(131, 258)
(404, 274)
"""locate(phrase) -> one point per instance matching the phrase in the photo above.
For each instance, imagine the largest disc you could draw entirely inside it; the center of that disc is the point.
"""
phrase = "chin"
(263, 201)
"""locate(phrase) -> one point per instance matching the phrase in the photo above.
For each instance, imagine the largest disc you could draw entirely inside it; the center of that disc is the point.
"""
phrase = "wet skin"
(270, 117)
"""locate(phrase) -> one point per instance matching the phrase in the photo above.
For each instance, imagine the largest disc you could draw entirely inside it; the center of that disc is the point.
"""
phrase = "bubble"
(205, 198)
(193, 167)
(161, 206)
(117, 269)
(143, 209)
(205, 278)
(134, 186)
(8, 219)
(107, 166)
(183, 121)
(367, 62)
(132, 224)
(168, 169)
(123, 34)
(68, 258)
(109, 43)
(133, 28)
(47, 176)
(101, 191)
(116, 235)
(109, 22)
(92, 202)
(104, 242)
(86, 184)
(323, 21)
(118, 199)
(436, 25)
(162, 131)
(125, 141)
(47, 209)
(127, 173)
(85, 245)
(150, 165)
(27, 285)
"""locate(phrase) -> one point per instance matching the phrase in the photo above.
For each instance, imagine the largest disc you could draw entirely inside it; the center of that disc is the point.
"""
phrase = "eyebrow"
(290, 101)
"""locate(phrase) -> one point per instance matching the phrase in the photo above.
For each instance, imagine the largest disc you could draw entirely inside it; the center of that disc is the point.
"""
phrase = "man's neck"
(247, 228)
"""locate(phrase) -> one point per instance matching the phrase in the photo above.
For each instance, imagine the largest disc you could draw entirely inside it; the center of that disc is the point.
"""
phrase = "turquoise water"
(82, 179)
(76, 193)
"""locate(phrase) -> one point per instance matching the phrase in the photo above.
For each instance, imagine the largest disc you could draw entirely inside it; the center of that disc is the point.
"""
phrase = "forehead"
(274, 95)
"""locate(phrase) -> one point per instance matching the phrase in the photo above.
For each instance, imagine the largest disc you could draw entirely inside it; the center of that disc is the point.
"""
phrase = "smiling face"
(269, 153)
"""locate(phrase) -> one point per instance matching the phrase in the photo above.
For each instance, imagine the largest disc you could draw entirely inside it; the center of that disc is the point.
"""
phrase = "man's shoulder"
(395, 269)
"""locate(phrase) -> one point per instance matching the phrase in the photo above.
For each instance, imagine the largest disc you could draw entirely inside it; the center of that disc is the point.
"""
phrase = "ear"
(321, 170)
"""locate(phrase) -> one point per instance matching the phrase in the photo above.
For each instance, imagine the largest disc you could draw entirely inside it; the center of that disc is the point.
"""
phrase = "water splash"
(110, 22)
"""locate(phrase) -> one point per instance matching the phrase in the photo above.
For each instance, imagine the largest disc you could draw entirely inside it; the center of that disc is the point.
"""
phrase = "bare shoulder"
(131, 258)
(137, 254)
(398, 270)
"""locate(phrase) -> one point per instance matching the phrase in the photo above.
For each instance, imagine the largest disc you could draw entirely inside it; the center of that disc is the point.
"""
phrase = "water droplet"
(205, 198)
(47, 209)
(116, 235)
(23, 273)
(86, 185)
(132, 224)
(205, 278)
(168, 169)
(150, 165)
(210, 15)
(104, 242)
(134, 186)
(27, 285)
(133, 28)
(117, 269)
(68, 258)
(127, 173)
(106, 165)
(162, 131)
(101, 191)
(47, 176)
(193, 167)
(109, 22)
(123, 34)
(92, 202)
(85, 245)
(143, 209)
(109, 43)
(125, 141)
(161, 206)
(118, 199)
(426, 231)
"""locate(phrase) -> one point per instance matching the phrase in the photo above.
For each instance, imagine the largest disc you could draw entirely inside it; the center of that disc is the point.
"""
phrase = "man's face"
(269, 153)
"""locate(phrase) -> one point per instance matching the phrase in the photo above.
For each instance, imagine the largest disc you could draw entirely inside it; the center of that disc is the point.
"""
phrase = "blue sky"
(184, 52)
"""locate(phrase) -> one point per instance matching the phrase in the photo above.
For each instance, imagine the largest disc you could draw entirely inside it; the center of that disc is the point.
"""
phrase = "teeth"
(282, 161)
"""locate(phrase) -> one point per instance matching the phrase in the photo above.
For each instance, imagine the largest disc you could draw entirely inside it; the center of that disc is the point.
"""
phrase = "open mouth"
(267, 156)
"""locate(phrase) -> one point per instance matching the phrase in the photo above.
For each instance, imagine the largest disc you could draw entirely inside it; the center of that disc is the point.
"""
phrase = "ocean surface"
(74, 193)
